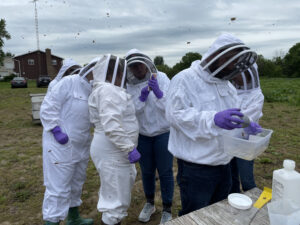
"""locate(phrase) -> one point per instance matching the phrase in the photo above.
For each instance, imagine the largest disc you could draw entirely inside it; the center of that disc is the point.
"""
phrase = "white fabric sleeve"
(111, 104)
(163, 83)
(52, 103)
(183, 116)
(253, 107)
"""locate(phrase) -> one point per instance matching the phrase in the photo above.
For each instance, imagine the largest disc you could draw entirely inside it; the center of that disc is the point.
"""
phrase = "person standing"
(113, 149)
(201, 105)
(251, 100)
(149, 96)
(66, 141)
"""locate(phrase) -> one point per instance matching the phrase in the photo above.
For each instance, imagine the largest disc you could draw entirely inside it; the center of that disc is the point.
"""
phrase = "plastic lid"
(289, 164)
(239, 201)
(246, 121)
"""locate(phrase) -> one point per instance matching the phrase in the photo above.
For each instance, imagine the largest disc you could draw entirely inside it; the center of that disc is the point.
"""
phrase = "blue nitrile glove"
(227, 119)
(134, 156)
(59, 136)
(144, 94)
(153, 84)
(253, 128)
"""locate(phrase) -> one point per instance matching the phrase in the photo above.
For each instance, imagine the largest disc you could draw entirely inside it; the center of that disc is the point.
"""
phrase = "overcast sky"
(83, 30)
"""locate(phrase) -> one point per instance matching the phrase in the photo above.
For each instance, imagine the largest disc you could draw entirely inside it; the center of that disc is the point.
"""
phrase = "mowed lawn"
(21, 173)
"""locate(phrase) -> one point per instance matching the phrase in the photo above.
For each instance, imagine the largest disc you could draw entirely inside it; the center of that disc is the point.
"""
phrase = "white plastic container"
(286, 183)
(236, 145)
(283, 212)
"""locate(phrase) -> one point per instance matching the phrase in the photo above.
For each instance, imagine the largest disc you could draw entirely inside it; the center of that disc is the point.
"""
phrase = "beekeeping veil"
(250, 80)
(67, 64)
(76, 71)
(134, 57)
(227, 57)
(88, 68)
(111, 69)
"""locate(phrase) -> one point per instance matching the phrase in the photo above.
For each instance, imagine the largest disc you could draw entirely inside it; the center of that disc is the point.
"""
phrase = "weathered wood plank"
(221, 213)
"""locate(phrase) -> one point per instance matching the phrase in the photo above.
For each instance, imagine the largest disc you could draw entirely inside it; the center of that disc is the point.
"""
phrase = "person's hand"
(59, 136)
(153, 84)
(227, 119)
(144, 94)
(134, 156)
(253, 128)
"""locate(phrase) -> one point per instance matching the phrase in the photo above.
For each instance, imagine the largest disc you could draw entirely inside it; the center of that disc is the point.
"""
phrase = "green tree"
(3, 34)
(9, 54)
(165, 68)
(291, 62)
(185, 62)
(159, 60)
(268, 68)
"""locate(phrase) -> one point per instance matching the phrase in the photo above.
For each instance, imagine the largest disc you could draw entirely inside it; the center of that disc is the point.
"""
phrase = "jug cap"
(289, 164)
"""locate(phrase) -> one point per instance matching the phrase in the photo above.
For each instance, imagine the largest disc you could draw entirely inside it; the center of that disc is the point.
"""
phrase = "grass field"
(21, 177)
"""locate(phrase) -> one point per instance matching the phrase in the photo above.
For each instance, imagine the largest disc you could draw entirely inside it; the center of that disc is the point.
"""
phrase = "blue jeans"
(202, 185)
(242, 171)
(155, 155)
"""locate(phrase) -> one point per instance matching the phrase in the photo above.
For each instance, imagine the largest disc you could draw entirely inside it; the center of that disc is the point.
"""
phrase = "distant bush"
(8, 78)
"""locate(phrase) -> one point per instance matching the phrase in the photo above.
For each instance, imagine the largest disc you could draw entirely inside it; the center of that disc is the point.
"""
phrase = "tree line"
(280, 66)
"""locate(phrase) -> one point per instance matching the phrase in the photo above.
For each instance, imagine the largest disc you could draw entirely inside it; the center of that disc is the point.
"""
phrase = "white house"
(7, 68)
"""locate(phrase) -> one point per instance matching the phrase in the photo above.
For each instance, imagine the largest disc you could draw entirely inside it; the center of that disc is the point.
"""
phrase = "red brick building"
(36, 63)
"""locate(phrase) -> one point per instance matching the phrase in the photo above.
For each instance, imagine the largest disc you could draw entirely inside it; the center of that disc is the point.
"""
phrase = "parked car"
(43, 81)
(18, 82)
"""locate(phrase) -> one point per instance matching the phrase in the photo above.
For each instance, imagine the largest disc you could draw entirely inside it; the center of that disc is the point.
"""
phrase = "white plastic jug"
(286, 183)
(283, 212)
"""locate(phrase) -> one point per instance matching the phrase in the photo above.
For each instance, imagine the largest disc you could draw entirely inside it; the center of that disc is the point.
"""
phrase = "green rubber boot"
(50, 223)
(75, 219)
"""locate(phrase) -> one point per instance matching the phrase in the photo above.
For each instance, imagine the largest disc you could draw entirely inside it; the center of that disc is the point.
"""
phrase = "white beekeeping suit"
(115, 135)
(251, 98)
(201, 105)
(66, 106)
(67, 64)
(151, 113)
(195, 96)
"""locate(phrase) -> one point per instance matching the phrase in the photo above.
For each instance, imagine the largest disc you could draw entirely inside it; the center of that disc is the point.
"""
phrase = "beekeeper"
(69, 67)
(113, 149)
(149, 96)
(201, 104)
(66, 141)
(251, 100)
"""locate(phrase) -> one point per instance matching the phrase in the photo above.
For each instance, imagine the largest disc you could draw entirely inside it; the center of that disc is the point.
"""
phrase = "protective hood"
(76, 71)
(250, 80)
(227, 57)
(67, 64)
(88, 68)
(110, 69)
(134, 58)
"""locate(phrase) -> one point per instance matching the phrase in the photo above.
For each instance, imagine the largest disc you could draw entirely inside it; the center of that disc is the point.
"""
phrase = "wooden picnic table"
(221, 213)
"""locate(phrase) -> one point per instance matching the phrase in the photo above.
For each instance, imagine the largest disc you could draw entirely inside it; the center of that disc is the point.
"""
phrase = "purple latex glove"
(144, 94)
(253, 128)
(227, 119)
(153, 84)
(59, 136)
(134, 156)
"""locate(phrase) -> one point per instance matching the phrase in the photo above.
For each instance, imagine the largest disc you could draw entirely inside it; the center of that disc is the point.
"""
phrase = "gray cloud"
(85, 29)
